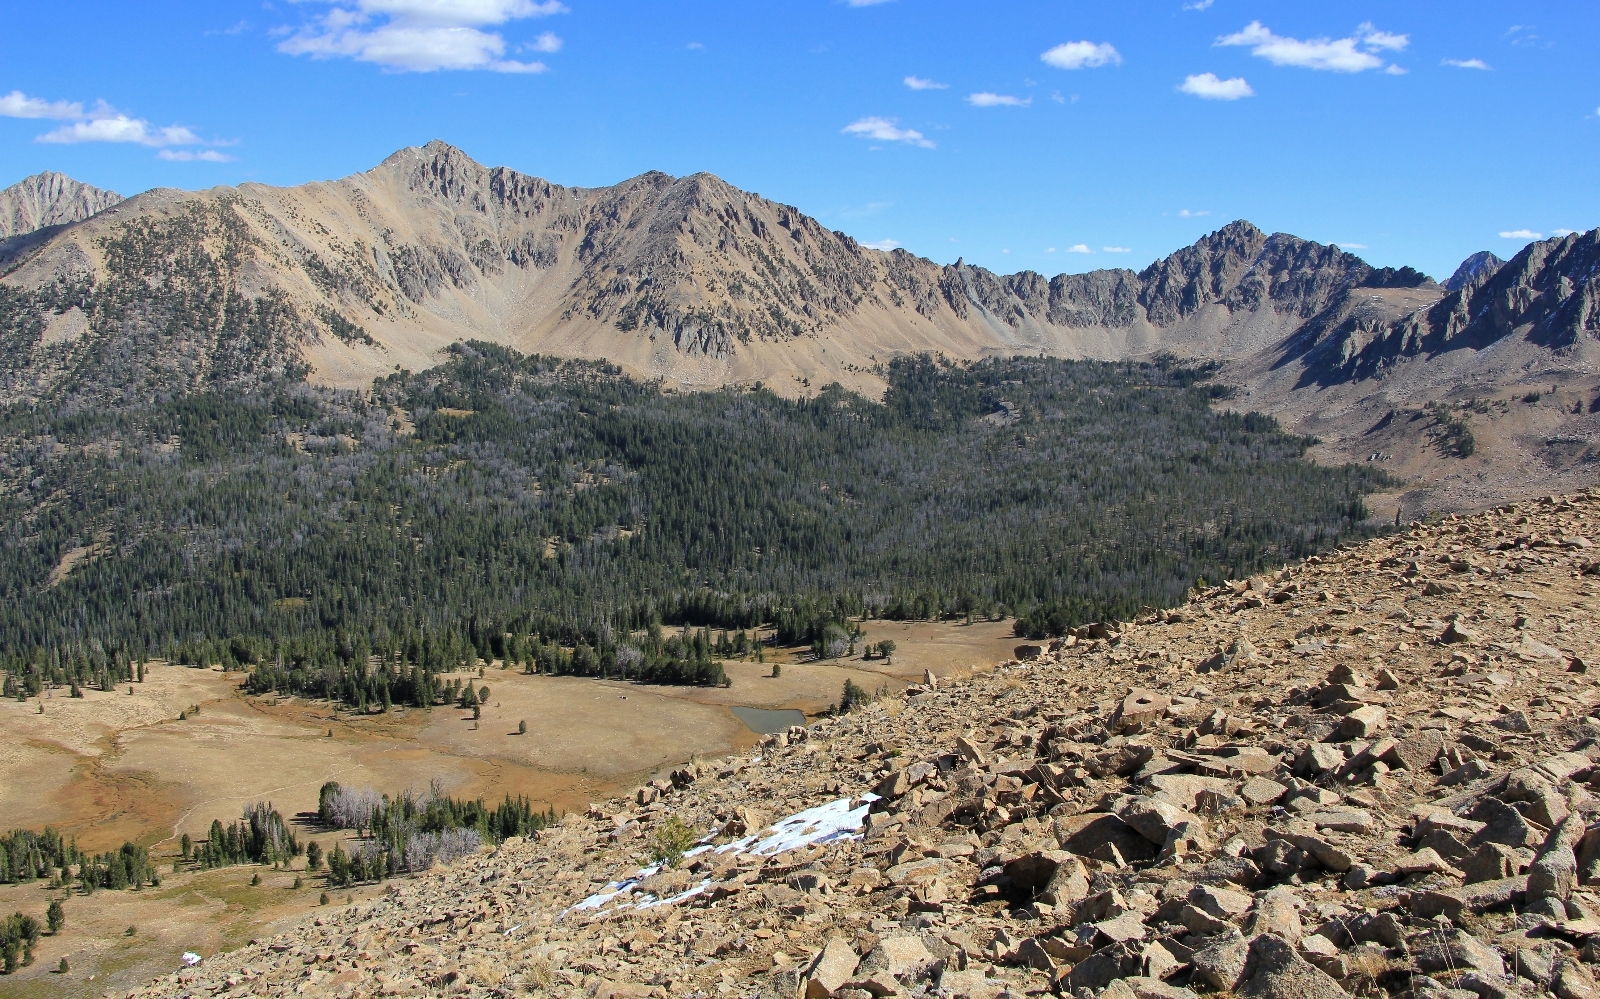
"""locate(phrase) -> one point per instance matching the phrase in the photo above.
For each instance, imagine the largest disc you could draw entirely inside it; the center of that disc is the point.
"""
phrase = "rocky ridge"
(693, 281)
(1371, 774)
(49, 199)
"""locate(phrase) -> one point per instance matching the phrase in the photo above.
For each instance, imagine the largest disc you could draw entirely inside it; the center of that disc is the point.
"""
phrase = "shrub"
(671, 839)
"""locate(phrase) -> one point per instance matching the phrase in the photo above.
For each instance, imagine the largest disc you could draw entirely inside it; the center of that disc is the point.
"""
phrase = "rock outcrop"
(1102, 820)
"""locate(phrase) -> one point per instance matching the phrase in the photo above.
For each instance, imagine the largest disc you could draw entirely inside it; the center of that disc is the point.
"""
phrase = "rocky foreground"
(1366, 775)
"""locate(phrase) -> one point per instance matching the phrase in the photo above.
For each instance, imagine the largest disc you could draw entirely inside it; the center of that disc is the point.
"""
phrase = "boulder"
(1416, 753)
(1553, 875)
(1274, 971)
(897, 957)
(830, 969)
(1221, 963)
(1152, 818)
(1483, 896)
(1456, 950)
(1103, 967)
(1503, 824)
(1276, 913)
(1140, 709)
(1364, 723)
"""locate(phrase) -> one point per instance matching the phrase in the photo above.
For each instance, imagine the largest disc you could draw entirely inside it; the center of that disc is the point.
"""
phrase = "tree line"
(560, 516)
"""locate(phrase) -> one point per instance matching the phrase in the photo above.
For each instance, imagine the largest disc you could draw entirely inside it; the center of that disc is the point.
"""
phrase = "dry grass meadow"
(120, 766)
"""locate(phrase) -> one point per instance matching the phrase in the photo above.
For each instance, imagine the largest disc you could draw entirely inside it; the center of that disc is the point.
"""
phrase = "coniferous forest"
(564, 518)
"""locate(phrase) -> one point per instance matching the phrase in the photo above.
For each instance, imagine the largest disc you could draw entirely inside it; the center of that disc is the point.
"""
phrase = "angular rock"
(1474, 898)
(1456, 950)
(1364, 723)
(830, 969)
(1274, 971)
(1221, 962)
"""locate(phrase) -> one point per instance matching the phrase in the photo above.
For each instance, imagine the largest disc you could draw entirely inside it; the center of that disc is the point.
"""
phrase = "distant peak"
(1474, 270)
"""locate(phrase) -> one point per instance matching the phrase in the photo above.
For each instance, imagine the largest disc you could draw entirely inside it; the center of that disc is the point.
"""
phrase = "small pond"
(765, 721)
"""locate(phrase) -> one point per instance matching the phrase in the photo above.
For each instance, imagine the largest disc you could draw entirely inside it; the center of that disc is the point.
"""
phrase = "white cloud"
(1049, 249)
(1081, 55)
(1562, 232)
(1372, 38)
(865, 3)
(885, 129)
(1199, 4)
(1121, 249)
(19, 105)
(1352, 246)
(1184, 213)
(918, 83)
(883, 244)
(985, 99)
(547, 42)
(1466, 64)
(695, 45)
(1354, 54)
(423, 35)
(121, 128)
(1209, 87)
(204, 155)
(103, 123)
(1079, 248)
(1521, 234)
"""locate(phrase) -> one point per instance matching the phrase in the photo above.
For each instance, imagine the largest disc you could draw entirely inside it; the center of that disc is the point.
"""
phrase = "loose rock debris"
(1371, 774)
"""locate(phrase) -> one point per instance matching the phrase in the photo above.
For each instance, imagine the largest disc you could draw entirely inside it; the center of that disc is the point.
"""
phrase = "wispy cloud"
(1079, 248)
(918, 83)
(1351, 246)
(1184, 213)
(1211, 88)
(203, 156)
(1199, 4)
(421, 35)
(883, 244)
(1353, 54)
(1521, 234)
(1123, 249)
(1082, 55)
(546, 42)
(19, 105)
(984, 99)
(1562, 232)
(865, 3)
(695, 45)
(885, 130)
(1466, 63)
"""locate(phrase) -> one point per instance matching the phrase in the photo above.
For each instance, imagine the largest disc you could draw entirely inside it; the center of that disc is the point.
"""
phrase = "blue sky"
(1059, 136)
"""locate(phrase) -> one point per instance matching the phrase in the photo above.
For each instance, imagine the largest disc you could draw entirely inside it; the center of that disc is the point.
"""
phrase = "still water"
(763, 721)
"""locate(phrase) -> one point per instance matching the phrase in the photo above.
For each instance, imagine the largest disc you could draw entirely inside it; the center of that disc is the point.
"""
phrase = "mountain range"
(105, 301)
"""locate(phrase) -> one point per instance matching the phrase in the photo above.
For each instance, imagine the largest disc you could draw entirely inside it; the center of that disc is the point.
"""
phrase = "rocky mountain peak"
(48, 199)
(1474, 270)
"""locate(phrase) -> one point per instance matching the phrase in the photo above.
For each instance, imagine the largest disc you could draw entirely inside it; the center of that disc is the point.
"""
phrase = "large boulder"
(1274, 971)
(1455, 950)
(830, 969)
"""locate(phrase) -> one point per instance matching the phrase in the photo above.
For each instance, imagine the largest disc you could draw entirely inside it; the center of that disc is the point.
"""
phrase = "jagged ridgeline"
(562, 504)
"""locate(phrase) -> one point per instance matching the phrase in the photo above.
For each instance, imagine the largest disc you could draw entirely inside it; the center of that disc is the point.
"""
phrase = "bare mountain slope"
(697, 282)
(49, 199)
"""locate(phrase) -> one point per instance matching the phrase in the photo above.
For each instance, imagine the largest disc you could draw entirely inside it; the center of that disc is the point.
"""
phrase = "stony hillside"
(49, 199)
(1372, 774)
(697, 282)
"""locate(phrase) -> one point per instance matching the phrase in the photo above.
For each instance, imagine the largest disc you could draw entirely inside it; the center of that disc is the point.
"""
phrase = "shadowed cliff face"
(687, 278)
